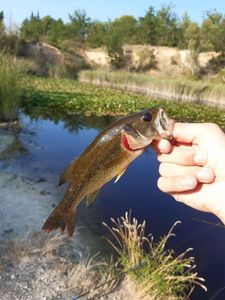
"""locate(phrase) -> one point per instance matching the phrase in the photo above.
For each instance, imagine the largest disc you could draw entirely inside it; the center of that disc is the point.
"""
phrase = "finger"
(191, 198)
(203, 175)
(184, 156)
(177, 184)
(161, 146)
(193, 132)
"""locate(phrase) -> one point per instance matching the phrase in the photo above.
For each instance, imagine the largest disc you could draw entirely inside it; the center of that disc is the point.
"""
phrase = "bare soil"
(37, 266)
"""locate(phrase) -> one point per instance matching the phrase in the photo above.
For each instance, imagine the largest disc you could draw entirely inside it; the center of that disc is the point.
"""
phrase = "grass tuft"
(155, 269)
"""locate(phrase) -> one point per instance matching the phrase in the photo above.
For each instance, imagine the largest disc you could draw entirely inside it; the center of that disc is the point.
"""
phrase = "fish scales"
(106, 157)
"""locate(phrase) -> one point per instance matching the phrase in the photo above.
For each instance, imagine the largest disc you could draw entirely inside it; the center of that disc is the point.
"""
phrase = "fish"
(106, 157)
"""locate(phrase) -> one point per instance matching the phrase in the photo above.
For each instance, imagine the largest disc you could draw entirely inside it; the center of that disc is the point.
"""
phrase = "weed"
(156, 270)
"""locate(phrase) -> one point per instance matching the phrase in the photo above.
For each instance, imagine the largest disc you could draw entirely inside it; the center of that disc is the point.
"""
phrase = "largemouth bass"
(108, 156)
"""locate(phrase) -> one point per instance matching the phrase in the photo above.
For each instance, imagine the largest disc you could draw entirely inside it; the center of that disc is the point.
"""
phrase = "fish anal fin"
(120, 174)
(91, 197)
(68, 172)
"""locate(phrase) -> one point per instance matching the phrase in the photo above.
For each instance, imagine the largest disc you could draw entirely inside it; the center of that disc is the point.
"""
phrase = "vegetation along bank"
(73, 97)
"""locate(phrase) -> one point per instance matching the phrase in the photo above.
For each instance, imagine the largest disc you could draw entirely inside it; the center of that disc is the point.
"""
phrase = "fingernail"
(200, 158)
(188, 182)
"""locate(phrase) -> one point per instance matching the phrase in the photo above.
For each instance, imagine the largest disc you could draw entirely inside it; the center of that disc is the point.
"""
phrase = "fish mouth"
(164, 125)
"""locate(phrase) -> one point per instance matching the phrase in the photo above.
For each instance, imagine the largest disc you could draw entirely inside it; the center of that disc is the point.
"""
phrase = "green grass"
(12, 73)
(157, 271)
(69, 96)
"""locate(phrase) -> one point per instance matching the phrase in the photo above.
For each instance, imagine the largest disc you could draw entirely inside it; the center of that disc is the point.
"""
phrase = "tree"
(183, 26)
(46, 29)
(53, 30)
(193, 37)
(31, 29)
(2, 27)
(210, 30)
(78, 26)
(220, 44)
(147, 32)
(126, 28)
(96, 35)
(167, 27)
(115, 50)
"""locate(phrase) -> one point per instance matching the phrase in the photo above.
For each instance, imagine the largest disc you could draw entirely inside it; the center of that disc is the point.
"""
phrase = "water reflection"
(52, 141)
(74, 122)
(11, 146)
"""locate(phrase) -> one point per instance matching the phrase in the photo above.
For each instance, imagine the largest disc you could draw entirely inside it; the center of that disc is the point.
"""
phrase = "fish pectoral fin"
(120, 174)
(91, 197)
(67, 173)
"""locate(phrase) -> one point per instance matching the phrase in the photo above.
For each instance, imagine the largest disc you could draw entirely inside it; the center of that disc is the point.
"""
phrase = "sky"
(16, 11)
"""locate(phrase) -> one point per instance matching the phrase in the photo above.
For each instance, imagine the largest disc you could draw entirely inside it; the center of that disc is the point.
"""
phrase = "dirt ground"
(38, 266)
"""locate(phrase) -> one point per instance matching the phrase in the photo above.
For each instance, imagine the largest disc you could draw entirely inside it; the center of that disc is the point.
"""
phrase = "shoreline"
(154, 93)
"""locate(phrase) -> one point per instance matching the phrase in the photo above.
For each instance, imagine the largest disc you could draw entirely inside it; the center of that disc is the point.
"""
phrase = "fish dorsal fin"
(68, 172)
(91, 197)
(120, 174)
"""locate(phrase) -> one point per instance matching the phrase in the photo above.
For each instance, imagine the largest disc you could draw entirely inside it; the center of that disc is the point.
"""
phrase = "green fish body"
(108, 156)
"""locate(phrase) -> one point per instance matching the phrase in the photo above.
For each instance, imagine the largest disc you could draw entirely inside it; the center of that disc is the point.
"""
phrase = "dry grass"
(67, 270)
(181, 88)
(52, 265)
(157, 272)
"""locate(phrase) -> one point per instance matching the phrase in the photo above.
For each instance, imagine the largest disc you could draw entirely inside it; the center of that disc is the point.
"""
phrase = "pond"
(50, 143)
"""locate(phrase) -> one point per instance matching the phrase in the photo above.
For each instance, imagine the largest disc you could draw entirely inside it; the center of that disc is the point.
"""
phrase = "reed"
(182, 88)
(12, 73)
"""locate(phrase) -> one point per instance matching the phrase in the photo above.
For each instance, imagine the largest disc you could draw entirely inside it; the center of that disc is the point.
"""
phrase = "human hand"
(193, 168)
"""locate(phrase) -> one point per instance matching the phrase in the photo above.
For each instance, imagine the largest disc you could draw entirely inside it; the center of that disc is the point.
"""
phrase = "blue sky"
(103, 10)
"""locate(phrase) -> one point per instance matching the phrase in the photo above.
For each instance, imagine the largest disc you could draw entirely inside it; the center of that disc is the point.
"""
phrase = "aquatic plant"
(157, 271)
(12, 72)
(71, 97)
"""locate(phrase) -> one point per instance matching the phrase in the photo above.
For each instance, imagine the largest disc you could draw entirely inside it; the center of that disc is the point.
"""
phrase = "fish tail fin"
(58, 219)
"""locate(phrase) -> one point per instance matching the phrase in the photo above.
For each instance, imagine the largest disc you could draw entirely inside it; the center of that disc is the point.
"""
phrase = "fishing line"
(219, 224)
(217, 293)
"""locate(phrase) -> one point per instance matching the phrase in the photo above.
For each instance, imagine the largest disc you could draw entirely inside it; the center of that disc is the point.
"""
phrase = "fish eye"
(147, 117)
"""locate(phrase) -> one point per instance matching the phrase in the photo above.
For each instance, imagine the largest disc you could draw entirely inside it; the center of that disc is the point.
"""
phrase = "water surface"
(49, 144)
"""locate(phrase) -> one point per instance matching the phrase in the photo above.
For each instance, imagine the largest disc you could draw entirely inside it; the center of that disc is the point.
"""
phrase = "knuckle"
(162, 169)
(161, 158)
(161, 183)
